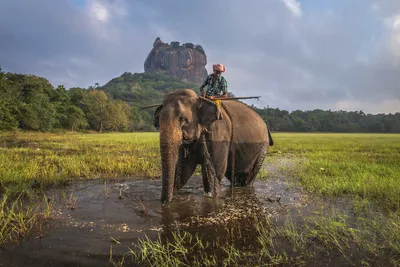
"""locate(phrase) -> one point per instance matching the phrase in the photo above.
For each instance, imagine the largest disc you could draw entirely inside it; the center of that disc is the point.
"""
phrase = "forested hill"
(29, 102)
(143, 88)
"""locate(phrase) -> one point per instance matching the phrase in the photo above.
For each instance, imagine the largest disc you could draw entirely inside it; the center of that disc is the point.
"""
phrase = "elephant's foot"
(215, 194)
(209, 194)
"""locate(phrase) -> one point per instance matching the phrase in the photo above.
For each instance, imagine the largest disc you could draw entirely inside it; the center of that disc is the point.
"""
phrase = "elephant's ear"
(156, 121)
(207, 111)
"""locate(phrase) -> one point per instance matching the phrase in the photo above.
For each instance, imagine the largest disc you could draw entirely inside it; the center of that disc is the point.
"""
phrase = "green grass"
(360, 165)
(363, 165)
(364, 168)
(305, 242)
(22, 216)
(42, 158)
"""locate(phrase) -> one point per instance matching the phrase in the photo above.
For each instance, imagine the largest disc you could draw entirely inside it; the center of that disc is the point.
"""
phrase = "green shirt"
(220, 86)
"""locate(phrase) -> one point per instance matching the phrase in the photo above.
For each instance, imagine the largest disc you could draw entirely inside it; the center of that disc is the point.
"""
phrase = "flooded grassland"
(93, 200)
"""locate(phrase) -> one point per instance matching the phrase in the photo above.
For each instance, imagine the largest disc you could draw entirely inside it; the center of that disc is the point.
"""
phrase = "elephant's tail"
(270, 140)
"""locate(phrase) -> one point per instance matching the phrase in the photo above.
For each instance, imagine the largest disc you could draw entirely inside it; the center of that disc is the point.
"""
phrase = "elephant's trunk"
(170, 142)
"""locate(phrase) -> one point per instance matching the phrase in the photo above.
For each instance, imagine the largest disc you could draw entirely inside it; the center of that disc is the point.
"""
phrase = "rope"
(210, 170)
(233, 147)
(178, 170)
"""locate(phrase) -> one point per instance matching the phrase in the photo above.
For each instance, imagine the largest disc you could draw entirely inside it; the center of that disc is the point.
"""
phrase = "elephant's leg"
(246, 174)
(237, 179)
(218, 151)
(211, 181)
(240, 179)
(186, 166)
(252, 174)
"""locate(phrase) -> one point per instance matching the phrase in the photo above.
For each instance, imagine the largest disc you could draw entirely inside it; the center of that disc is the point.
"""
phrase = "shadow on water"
(89, 215)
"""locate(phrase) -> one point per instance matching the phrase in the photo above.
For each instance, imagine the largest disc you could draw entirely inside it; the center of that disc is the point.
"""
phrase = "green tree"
(61, 101)
(175, 44)
(7, 120)
(75, 118)
(31, 103)
(30, 97)
(96, 109)
(118, 115)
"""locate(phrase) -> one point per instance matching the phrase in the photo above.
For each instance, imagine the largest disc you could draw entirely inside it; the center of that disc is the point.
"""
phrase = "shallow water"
(89, 214)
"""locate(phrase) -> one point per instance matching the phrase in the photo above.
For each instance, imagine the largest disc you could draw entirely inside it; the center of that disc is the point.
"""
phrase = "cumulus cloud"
(394, 39)
(99, 12)
(396, 22)
(293, 6)
(333, 54)
(385, 106)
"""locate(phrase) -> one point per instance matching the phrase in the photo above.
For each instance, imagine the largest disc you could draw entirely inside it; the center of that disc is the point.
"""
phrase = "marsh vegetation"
(348, 212)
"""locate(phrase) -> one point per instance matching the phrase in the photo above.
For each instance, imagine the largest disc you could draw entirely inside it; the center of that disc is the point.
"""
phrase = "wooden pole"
(222, 99)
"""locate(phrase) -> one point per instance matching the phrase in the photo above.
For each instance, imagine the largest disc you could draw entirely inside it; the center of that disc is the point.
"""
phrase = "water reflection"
(130, 210)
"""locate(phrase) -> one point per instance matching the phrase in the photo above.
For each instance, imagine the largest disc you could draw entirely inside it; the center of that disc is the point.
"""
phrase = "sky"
(296, 54)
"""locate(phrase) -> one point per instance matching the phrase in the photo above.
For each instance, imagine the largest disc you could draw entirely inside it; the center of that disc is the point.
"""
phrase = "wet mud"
(90, 216)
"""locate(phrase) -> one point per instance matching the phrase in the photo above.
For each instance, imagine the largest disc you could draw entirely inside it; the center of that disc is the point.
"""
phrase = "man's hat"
(219, 67)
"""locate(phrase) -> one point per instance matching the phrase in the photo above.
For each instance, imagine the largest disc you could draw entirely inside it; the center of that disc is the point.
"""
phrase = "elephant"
(228, 141)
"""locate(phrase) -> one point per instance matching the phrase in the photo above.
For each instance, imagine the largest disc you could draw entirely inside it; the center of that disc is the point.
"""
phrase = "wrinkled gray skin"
(181, 119)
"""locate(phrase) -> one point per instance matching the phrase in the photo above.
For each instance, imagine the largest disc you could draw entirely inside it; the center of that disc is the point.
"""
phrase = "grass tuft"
(19, 217)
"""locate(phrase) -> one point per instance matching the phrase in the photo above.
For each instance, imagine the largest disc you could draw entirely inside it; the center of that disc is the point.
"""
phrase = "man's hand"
(202, 93)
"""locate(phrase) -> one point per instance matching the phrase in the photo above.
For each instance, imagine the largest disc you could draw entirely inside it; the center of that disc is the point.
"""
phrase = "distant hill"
(187, 62)
(141, 89)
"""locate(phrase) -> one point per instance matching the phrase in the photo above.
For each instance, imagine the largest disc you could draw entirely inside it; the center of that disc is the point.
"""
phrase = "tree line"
(318, 120)
(29, 102)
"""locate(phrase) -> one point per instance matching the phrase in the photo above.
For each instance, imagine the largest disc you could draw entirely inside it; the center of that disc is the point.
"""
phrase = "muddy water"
(90, 214)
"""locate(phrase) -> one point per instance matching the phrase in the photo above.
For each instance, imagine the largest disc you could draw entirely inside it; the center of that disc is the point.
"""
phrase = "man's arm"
(202, 92)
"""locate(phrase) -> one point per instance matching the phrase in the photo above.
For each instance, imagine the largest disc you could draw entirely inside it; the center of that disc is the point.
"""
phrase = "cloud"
(69, 45)
(385, 106)
(99, 12)
(396, 22)
(104, 11)
(324, 54)
(394, 39)
(293, 6)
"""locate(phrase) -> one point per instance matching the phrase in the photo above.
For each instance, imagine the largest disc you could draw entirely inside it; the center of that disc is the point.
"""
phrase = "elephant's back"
(249, 126)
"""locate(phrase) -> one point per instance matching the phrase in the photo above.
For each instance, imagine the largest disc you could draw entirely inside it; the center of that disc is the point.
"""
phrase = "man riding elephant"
(192, 132)
(217, 87)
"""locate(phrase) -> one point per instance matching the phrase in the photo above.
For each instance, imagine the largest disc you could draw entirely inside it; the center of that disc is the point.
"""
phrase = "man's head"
(218, 69)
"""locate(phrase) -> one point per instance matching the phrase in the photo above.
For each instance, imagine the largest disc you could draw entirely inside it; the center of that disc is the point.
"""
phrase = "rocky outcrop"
(186, 62)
